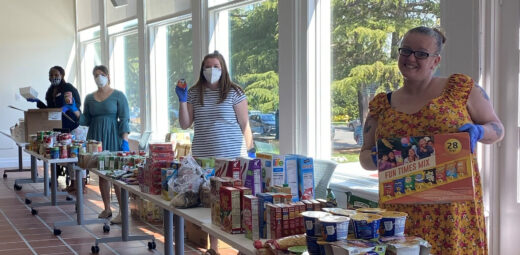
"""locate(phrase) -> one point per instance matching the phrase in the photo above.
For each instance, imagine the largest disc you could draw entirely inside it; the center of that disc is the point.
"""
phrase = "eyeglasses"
(418, 54)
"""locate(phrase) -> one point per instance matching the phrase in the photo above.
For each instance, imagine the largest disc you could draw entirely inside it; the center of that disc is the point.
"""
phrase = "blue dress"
(107, 120)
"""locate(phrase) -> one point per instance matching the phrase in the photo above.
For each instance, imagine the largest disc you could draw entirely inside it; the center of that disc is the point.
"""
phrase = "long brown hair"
(225, 83)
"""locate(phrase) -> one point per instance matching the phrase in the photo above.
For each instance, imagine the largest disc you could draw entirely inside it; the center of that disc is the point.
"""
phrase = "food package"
(406, 245)
(230, 210)
(28, 93)
(434, 169)
(250, 217)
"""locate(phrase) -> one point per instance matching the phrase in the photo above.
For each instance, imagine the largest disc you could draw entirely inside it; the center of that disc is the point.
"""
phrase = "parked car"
(263, 123)
(353, 124)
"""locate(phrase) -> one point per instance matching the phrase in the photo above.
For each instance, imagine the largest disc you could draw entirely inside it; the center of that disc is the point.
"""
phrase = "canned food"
(63, 151)
(74, 151)
(54, 152)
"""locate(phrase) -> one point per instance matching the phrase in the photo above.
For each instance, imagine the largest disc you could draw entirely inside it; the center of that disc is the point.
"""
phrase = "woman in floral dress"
(425, 106)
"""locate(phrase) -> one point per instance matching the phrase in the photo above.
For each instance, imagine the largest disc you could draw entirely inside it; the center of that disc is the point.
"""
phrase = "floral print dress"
(451, 228)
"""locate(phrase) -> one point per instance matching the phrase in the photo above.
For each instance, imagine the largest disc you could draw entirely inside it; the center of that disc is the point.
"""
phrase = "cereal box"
(230, 210)
(227, 167)
(250, 217)
(434, 169)
(286, 227)
(207, 164)
(252, 175)
(273, 170)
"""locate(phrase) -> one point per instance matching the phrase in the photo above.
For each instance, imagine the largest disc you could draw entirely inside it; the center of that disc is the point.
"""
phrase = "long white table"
(34, 173)
(198, 216)
(54, 188)
(124, 218)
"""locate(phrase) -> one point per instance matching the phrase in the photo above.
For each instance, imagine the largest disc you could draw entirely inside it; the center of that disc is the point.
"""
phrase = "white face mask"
(101, 81)
(212, 74)
(55, 81)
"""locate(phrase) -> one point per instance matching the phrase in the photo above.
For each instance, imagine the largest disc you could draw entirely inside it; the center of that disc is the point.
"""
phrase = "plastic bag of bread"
(288, 241)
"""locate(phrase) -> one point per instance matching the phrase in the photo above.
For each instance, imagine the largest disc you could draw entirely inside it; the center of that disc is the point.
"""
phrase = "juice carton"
(291, 175)
(305, 178)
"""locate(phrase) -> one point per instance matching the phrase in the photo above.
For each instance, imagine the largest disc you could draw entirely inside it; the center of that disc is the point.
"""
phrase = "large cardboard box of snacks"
(425, 169)
(41, 120)
(199, 238)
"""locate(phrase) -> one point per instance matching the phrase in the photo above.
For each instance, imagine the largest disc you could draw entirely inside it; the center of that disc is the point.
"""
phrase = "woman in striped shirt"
(217, 108)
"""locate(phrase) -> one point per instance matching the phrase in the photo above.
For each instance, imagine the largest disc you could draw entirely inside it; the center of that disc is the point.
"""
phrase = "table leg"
(124, 214)
(45, 179)
(168, 232)
(178, 221)
(34, 169)
(54, 189)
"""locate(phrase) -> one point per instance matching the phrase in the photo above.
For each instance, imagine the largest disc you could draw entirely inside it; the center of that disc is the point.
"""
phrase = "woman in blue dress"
(106, 113)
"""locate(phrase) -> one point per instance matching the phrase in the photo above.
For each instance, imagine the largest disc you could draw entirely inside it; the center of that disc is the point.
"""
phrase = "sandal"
(105, 214)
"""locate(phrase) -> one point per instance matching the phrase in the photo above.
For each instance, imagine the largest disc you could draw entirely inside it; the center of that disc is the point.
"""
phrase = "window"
(247, 36)
(171, 60)
(90, 57)
(124, 70)
(365, 38)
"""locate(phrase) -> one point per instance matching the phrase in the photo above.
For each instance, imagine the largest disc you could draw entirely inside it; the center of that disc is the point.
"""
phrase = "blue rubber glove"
(374, 155)
(125, 146)
(251, 153)
(476, 133)
(182, 93)
(33, 100)
(72, 106)
(65, 108)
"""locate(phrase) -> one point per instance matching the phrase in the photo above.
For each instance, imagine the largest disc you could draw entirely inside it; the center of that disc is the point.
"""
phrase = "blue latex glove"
(182, 93)
(65, 108)
(476, 133)
(125, 146)
(72, 106)
(374, 155)
(251, 154)
(34, 100)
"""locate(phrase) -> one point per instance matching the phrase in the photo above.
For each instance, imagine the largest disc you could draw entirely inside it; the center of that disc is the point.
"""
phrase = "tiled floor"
(23, 233)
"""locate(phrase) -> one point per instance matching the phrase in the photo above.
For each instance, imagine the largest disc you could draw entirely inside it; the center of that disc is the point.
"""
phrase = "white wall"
(34, 36)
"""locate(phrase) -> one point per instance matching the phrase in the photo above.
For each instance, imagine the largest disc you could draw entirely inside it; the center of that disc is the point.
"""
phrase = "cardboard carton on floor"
(199, 238)
(41, 120)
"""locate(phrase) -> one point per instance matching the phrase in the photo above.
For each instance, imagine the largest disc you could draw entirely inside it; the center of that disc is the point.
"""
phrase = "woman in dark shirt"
(55, 98)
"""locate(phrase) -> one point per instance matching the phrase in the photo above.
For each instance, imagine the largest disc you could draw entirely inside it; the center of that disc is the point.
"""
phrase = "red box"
(292, 219)
(230, 210)
(275, 217)
(250, 217)
(308, 205)
(299, 216)
(286, 228)
(227, 167)
(160, 147)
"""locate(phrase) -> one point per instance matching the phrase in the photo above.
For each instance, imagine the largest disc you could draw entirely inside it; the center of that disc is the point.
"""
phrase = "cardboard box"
(199, 238)
(425, 169)
(28, 92)
(41, 120)
(230, 215)
(250, 217)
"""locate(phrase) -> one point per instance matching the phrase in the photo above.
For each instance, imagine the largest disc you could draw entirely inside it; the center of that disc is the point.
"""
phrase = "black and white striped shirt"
(216, 129)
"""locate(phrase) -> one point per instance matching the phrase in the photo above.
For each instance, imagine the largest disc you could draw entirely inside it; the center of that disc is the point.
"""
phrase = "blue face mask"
(55, 81)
